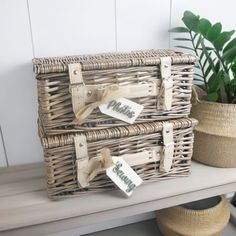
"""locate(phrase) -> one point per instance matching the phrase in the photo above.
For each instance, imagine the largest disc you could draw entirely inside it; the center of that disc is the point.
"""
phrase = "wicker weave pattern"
(60, 157)
(55, 105)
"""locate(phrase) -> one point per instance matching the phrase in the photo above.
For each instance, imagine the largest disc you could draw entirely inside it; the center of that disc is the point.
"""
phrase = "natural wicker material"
(60, 157)
(216, 133)
(187, 221)
(55, 103)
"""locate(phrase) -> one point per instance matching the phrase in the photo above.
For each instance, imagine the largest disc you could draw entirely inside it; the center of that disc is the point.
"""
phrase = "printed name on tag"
(123, 176)
(122, 109)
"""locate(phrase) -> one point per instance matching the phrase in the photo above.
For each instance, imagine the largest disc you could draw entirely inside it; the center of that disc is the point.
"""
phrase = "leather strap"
(87, 169)
(76, 86)
(167, 83)
(82, 159)
(168, 150)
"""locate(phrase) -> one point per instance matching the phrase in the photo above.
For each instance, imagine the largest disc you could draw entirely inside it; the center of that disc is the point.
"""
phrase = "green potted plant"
(214, 99)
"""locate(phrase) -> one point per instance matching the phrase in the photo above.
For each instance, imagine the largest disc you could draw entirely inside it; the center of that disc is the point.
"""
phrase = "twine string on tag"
(97, 165)
(110, 93)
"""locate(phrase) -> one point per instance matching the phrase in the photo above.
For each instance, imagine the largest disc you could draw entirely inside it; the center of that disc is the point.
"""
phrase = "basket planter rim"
(203, 211)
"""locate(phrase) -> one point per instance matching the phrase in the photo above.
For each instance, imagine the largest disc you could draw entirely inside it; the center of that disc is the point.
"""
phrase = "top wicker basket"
(71, 88)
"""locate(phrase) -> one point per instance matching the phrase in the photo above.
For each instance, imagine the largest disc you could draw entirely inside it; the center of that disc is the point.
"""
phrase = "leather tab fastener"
(82, 159)
(77, 86)
(167, 83)
(168, 150)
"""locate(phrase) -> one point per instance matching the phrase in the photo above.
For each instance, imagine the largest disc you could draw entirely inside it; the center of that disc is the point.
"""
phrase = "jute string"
(110, 93)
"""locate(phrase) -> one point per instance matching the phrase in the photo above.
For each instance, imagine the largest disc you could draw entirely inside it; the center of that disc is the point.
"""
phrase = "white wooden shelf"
(26, 210)
(148, 228)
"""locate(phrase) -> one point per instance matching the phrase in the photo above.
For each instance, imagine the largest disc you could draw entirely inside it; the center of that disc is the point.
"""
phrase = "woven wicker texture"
(214, 118)
(180, 221)
(55, 103)
(60, 157)
(216, 133)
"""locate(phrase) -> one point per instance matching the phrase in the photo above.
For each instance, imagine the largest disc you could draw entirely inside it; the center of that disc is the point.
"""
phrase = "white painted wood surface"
(62, 27)
(3, 159)
(142, 24)
(23, 202)
(18, 96)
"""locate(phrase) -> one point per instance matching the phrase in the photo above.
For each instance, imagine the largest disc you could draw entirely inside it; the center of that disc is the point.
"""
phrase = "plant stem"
(197, 54)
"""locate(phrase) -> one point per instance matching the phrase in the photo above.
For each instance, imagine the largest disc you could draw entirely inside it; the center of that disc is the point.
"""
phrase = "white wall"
(37, 28)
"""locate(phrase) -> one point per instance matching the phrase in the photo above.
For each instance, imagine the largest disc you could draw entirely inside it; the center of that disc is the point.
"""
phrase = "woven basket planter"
(206, 217)
(71, 88)
(141, 145)
(215, 136)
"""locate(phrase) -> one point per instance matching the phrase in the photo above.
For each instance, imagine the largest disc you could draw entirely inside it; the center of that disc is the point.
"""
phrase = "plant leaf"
(229, 55)
(201, 56)
(198, 41)
(207, 71)
(232, 86)
(185, 47)
(191, 21)
(203, 26)
(230, 45)
(213, 97)
(182, 39)
(215, 82)
(214, 32)
(207, 48)
(217, 66)
(198, 75)
(208, 57)
(179, 30)
(234, 68)
(223, 38)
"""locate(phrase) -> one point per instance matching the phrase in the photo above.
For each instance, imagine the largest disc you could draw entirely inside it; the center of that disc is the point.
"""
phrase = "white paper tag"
(122, 109)
(123, 176)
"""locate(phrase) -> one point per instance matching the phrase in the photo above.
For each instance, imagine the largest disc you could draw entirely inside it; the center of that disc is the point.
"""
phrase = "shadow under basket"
(207, 217)
(145, 147)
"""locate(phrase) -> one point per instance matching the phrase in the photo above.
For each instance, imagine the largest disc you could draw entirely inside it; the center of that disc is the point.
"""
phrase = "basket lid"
(109, 60)
(117, 132)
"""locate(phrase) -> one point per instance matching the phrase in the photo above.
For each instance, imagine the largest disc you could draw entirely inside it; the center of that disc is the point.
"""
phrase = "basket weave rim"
(203, 211)
(117, 132)
(112, 60)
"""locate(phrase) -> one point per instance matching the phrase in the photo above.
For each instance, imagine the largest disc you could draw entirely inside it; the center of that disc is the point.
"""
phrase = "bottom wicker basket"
(156, 150)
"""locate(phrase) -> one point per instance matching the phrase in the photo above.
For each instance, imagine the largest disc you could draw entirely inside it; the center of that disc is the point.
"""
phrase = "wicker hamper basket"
(70, 89)
(155, 150)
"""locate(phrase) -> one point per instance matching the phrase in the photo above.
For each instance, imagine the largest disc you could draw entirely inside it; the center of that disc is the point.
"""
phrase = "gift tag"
(122, 109)
(123, 176)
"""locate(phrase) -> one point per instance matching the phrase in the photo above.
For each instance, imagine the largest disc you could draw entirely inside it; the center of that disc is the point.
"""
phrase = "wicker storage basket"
(155, 150)
(206, 217)
(215, 136)
(70, 89)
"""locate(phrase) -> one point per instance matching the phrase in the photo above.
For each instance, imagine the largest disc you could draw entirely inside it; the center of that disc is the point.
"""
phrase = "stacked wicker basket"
(74, 132)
